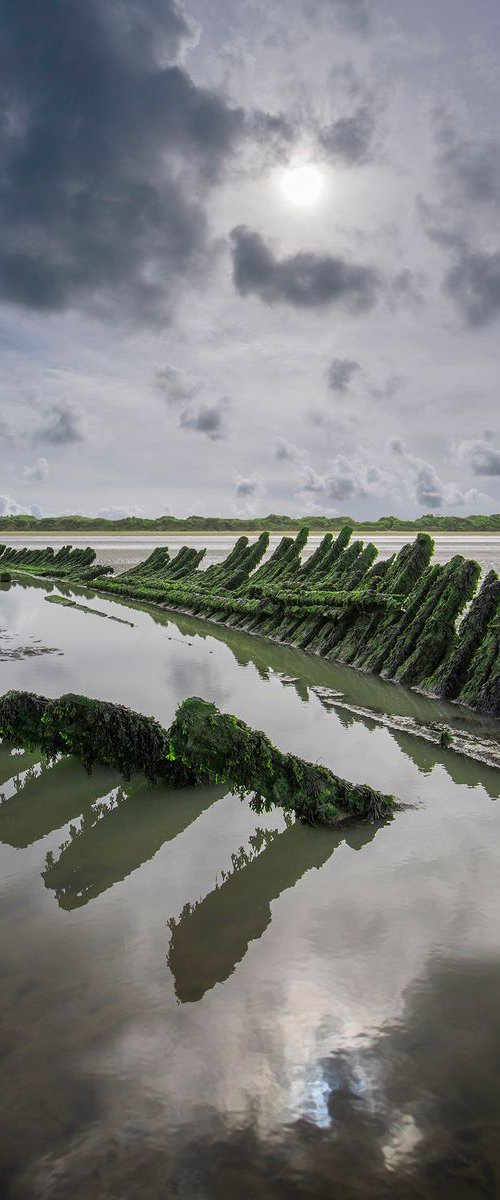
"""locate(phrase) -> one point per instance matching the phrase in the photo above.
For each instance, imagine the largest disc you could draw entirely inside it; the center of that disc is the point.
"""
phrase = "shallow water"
(199, 1002)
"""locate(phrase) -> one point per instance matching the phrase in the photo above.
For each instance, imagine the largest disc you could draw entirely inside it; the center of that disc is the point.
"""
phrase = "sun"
(303, 186)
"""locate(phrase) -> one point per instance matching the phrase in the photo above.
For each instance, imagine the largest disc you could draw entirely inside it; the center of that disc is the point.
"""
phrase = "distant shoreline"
(167, 534)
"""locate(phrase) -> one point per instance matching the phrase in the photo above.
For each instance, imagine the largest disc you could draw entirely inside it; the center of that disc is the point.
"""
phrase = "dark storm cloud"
(209, 419)
(95, 114)
(341, 373)
(62, 424)
(349, 140)
(305, 280)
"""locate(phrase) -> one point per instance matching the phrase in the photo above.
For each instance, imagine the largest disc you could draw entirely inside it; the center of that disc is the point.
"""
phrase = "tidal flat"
(196, 1000)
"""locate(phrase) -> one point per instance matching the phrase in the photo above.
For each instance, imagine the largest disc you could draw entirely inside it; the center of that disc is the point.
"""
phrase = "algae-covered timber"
(96, 732)
(76, 564)
(228, 749)
(401, 618)
(203, 745)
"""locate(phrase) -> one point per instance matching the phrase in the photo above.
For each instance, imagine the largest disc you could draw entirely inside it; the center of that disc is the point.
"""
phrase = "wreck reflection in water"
(198, 1001)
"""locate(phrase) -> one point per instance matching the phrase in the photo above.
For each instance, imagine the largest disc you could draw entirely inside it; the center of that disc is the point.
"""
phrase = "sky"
(249, 257)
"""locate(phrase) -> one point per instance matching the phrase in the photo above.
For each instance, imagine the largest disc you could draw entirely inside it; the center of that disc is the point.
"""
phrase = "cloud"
(117, 512)
(310, 481)
(248, 490)
(209, 419)
(305, 280)
(63, 423)
(470, 164)
(473, 282)
(272, 134)
(349, 140)
(342, 481)
(422, 482)
(353, 15)
(249, 487)
(341, 372)
(407, 287)
(480, 456)
(107, 146)
(388, 390)
(288, 452)
(345, 479)
(354, 478)
(10, 508)
(463, 219)
(37, 473)
(473, 278)
(174, 385)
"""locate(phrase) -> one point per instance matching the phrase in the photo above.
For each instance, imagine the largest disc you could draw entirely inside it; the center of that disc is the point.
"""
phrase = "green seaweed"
(202, 745)
(246, 759)
(451, 674)
(94, 730)
(399, 617)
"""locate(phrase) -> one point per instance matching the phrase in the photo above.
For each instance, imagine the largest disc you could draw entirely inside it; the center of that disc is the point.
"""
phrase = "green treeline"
(432, 522)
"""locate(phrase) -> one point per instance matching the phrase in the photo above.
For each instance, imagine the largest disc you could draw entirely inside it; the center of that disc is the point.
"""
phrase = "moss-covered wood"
(78, 564)
(203, 745)
(246, 759)
(466, 650)
(95, 731)
(400, 617)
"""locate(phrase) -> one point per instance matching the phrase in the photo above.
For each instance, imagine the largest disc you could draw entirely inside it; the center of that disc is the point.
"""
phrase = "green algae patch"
(203, 745)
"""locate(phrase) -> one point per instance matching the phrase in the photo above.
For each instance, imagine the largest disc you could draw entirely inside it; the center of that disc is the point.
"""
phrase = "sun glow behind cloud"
(302, 186)
(293, 242)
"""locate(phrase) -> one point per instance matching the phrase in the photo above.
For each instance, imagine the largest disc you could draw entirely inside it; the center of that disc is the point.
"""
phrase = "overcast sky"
(178, 334)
